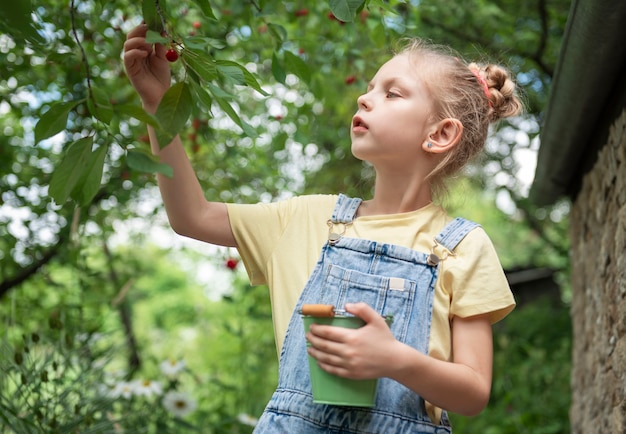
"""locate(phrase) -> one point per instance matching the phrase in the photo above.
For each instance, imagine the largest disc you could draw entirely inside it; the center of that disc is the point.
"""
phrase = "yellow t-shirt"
(280, 244)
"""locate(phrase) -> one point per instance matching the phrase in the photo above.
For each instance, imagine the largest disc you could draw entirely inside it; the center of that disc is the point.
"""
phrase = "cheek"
(402, 131)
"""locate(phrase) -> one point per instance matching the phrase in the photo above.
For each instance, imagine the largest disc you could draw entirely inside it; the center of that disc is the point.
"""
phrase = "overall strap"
(454, 232)
(345, 209)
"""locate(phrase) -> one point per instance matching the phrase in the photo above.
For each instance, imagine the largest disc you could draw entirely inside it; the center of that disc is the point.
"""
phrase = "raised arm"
(188, 211)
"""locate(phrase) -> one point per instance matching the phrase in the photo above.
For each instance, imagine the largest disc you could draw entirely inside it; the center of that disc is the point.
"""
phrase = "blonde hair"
(475, 94)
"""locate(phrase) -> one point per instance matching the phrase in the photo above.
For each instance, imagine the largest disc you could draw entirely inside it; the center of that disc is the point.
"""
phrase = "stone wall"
(598, 239)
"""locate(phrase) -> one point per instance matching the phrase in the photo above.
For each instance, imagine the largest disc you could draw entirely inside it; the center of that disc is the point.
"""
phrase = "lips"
(358, 124)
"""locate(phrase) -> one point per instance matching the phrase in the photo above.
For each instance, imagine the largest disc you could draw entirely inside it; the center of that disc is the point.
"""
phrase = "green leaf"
(227, 108)
(345, 10)
(378, 35)
(218, 92)
(202, 43)
(100, 106)
(277, 69)
(91, 178)
(69, 172)
(202, 95)
(151, 14)
(231, 71)
(206, 9)
(16, 21)
(153, 37)
(278, 32)
(173, 112)
(147, 163)
(248, 78)
(54, 120)
(296, 65)
(199, 62)
(383, 5)
(137, 112)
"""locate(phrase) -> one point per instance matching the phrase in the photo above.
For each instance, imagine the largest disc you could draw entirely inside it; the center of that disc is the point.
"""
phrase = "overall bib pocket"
(388, 296)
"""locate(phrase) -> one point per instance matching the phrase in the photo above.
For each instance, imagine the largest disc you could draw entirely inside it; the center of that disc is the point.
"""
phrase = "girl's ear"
(446, 134)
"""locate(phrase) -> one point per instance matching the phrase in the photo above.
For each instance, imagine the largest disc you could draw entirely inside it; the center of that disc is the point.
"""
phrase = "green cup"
(332, 389)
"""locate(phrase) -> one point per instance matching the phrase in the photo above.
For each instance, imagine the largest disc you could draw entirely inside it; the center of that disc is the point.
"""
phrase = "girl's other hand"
(362, 353)
(146, 67)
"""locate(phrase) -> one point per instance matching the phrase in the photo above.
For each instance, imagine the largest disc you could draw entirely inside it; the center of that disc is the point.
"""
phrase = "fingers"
(135, 47)
(159, 50)
(137, 42)
(325, 351)
(138, 32)
(335, 358)
(134, 57)
(363, 311)
(327, 361)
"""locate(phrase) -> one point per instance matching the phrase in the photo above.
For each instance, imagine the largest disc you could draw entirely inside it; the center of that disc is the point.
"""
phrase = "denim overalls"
(394, 280)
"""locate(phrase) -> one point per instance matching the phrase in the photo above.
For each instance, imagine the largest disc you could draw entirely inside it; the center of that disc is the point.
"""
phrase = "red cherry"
(171, 55)
(332, 17)
(350, 79)
(302, 12)
(197, 24)
(231, 263)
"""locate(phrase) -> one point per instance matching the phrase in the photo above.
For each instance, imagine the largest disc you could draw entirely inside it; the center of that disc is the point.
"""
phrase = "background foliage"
(90, 295)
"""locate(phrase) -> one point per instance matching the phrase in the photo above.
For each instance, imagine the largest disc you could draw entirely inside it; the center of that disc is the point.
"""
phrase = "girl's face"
(394, 115)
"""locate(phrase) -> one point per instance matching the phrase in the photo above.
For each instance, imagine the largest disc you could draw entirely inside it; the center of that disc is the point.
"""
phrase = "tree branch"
(123, 307)
(25, 273)
(80, 46)
(487, 43)
(533, 223)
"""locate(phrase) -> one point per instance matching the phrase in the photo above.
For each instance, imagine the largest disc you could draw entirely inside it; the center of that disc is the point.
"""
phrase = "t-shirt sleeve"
(257, 229)
(287, 230)
(475, 280)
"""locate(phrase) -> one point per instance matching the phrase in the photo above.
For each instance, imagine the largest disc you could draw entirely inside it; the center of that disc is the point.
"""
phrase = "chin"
(356, 154)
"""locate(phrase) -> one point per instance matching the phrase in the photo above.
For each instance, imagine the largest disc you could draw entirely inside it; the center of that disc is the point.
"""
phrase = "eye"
(392, 94)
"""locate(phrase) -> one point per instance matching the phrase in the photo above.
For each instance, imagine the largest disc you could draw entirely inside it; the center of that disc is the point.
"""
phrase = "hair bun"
(503, 96)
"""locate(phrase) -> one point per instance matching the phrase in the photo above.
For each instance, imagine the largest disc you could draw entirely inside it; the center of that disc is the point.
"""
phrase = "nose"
(363, 102)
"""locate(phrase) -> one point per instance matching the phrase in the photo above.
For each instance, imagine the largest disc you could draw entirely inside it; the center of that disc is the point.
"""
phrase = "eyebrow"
(390, 81)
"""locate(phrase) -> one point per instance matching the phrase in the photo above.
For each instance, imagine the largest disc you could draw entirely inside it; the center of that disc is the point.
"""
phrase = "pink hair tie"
(484, 85)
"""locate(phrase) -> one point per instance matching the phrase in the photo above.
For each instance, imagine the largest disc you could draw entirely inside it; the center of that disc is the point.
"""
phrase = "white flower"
(178, 403)
(123, 389)
(246, 419)
(171, 368)
(147, 388)
(106, 390)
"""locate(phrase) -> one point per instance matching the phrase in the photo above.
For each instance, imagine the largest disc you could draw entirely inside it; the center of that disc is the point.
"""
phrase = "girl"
(424, 115)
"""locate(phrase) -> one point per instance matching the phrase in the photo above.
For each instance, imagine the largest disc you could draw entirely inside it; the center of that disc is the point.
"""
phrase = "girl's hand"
(146, 67)
(367, 352)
